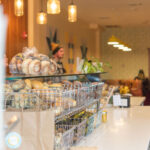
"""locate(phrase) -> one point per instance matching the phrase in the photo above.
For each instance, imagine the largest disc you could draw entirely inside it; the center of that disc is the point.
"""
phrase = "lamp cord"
(72, 2)
(41, 6)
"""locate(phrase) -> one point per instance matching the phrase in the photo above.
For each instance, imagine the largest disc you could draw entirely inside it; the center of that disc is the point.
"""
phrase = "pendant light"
(41, 16)
(19, 7)
(0, 1)
(113, 41)
(72, 12)
(53, 6)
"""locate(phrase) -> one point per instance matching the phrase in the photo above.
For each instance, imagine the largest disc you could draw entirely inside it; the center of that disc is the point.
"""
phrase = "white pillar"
(3, 28)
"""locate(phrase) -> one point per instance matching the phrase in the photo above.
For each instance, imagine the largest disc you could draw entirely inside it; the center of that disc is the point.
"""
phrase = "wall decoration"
(24, 35)
(83, 51)
(51, 40)
(71, 56)
(70, 39)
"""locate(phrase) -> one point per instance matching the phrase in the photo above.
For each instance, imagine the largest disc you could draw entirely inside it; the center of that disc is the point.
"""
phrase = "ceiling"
(113, 12)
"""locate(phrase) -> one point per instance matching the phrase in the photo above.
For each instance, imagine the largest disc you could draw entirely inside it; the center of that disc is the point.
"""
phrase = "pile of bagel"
(30, 62)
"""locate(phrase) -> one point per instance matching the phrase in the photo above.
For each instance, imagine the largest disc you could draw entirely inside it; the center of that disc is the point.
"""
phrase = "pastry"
(28, 84)
(53, 67)
(18, 85)
(43, 57)
(35, 67)
(29, 52)
(13, 66)
(57, 85)
(37, 84)
(45, 67)
(19, 65)
(25, 66)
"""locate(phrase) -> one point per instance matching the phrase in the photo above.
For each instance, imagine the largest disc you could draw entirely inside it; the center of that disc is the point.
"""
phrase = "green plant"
(93, 65)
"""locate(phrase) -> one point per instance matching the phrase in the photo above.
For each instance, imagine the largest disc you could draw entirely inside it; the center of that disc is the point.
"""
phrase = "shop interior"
(95, 96)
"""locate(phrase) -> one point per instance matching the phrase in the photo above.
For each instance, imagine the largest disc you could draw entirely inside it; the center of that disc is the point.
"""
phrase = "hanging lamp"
(72, 12)
(126, 48)
(120, 45)
(53, 6)
(0, 1)
(19, 7)
(41, 16)
(113, 41)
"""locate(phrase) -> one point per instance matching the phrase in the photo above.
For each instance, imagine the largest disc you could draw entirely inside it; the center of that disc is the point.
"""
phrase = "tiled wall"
(125, 65)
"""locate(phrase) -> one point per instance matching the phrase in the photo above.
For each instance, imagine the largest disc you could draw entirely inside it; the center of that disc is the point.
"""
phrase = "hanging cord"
(41, 6)
(71, 2)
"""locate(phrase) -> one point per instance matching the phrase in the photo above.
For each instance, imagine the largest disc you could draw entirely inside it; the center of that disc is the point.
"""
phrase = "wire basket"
(80, 126)
(64, 135)
(61, 99)
(98, 119)
(90, 124)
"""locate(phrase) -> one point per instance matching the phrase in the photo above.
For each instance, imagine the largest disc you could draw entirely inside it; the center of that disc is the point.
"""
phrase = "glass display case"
(74, 99)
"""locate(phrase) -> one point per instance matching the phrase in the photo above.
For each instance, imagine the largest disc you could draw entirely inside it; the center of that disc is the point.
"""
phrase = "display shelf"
(16, 77)
(74, 111)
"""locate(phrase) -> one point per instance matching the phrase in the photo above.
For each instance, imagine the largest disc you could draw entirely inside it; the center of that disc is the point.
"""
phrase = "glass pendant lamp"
(113, 41)
(53, 6)
(19, 7)
(41, 16)
(72, 12)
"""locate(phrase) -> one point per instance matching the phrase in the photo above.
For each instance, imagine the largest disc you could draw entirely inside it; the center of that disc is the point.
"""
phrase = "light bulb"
(53, 6)
(19, 7)
(72, 13)
(41, 18)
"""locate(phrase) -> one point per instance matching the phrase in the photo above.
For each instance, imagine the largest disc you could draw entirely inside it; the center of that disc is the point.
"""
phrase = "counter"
(126, 129)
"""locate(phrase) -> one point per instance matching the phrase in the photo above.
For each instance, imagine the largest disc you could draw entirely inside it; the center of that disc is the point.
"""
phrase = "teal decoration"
(52, 39)
(71, 47)
(83, 51)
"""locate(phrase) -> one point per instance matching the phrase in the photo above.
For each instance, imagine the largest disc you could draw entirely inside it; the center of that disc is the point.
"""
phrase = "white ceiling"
(113, 12)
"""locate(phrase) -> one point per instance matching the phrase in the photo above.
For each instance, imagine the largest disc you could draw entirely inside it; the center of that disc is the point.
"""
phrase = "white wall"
(80, 32)
(125, 65)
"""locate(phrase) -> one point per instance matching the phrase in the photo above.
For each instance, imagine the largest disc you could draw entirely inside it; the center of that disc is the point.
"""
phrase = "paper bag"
(35, 128)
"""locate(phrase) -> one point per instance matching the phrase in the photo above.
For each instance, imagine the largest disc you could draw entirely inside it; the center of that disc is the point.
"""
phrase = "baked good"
(53, 67)
(28, 84)
(18, 85)
(16, 63)
(45, 67)
(43, 57)
(37, 84)
(29, 52)
(13, 66)
(25, 65)
(57, 85)
(35, 67)
(19, 65)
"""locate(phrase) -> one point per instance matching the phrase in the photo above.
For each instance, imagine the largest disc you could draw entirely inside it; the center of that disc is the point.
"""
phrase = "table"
(126, 129)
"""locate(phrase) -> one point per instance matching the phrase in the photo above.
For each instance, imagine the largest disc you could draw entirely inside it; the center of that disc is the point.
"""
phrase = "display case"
(74, 99)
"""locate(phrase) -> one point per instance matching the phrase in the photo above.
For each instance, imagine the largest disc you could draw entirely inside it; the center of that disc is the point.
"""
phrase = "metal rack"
(66, 101)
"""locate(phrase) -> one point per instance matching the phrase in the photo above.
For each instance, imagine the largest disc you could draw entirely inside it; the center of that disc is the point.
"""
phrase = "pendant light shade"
(53, 6)
(72, 13)
(113, 41)
(41, 18)
(19, 7)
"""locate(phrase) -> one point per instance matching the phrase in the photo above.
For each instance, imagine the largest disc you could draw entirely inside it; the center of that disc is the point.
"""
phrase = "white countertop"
(126, 129)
